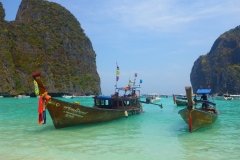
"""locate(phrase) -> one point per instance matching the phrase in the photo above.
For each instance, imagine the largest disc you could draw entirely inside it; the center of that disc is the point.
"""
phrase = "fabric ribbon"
(40, 110)
(190, 121)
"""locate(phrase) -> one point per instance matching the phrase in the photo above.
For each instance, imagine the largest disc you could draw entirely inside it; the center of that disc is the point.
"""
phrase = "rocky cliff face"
(46, 37)
(220, 68)
(2, 13)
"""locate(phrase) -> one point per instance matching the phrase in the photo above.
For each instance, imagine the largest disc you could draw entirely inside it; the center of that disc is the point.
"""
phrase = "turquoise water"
(153, 135)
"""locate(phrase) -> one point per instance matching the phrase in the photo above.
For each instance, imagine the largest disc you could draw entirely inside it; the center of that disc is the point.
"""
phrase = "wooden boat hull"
(152, 100)
(66, 114)
(200, 118)
(181, 103)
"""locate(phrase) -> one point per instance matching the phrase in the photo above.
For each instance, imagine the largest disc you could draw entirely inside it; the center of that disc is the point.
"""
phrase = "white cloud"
(160, 15)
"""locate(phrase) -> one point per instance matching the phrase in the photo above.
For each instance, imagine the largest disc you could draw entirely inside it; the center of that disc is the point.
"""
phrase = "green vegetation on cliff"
(46, 37)
(220, 68)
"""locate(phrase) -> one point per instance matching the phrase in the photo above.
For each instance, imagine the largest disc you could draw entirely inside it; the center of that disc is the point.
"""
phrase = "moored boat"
(152, 97)
(85, 96)
(180, 100)
(203, 116)
(235, 96)
(68, 96)
(22, 96)
(164, 95)
(225, 96)
(105, 108)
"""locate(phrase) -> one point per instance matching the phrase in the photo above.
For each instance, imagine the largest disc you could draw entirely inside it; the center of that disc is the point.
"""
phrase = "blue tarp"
(203, 91)
(104, 97)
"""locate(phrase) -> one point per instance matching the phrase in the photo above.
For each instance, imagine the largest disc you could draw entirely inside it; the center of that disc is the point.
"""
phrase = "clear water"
(153, 135)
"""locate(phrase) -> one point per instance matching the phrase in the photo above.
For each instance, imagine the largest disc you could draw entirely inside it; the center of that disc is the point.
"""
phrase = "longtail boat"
(152, 97)
(106, 108)
(181, 102)
(203, 116)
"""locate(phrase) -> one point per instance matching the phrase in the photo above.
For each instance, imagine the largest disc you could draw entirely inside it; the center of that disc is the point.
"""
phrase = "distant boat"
(164, 95)
(85, 96)
(235, 96)
(181, 102)
(1, 96)
(152, 97)
(225, 96)
(22, 96)
(68, 96)
(180, 99)
(199, 117)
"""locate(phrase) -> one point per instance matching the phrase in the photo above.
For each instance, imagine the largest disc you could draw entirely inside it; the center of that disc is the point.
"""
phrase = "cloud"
(152, 16)
(162, 16)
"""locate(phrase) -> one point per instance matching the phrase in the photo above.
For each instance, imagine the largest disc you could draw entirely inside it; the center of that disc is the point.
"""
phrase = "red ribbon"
(40, 110)
(190, 121)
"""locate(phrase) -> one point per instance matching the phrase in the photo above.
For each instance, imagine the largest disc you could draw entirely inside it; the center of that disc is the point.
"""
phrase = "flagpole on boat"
(117, 75)
(116, 79)
(135, 77)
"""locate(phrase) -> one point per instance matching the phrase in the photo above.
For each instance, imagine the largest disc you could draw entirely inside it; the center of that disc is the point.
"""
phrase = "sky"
(158, 39)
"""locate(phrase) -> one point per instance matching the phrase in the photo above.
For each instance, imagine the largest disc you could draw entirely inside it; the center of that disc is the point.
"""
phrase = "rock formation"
(46, 37)
(220, 68)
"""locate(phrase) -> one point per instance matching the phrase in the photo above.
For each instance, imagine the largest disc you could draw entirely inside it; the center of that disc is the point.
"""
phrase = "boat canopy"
(128, 88)
(203, 91)
(104, 97)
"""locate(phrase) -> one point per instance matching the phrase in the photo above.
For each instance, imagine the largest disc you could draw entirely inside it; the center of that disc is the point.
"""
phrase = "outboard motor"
(148, 100)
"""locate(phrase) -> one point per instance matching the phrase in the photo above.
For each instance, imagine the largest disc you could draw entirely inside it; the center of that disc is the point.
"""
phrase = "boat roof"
(100, 97)
(104, 97)
(132, 87)
(203, 91)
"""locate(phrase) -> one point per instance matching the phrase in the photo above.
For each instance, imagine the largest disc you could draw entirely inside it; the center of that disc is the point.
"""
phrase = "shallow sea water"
(153, 135)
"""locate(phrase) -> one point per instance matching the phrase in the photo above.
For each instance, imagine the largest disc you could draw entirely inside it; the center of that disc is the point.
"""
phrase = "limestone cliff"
(220, 68)
(2, 13)
(46, 37)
